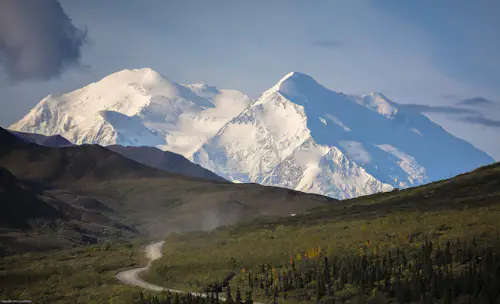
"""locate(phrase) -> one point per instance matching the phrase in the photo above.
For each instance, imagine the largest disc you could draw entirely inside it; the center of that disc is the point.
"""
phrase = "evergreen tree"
(327, 277)
(238, 296)
(229, 298)
(248, 299)
(169, 298)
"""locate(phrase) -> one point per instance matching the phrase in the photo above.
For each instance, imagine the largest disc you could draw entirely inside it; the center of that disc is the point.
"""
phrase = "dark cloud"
(476, 101)
(327, 44)
(37, 39)
(480, 120)
(437, 109)
(462, 114)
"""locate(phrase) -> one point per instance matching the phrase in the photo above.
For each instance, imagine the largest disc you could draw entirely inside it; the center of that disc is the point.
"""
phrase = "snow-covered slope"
(136, 107)
(298, 134)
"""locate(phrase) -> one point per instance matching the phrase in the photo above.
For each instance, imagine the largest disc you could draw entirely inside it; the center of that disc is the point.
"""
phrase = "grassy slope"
(466, 206)
(80, 275)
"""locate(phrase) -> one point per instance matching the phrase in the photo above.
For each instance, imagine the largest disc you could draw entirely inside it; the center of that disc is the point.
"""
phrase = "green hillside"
(462, 210)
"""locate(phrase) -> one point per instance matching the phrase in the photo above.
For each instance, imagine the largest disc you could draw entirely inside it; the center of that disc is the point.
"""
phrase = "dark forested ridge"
(32, 219)
(463, 272)
(458, 272)
(188, 298)
(49, 141)
(20, 204)
(164, 160)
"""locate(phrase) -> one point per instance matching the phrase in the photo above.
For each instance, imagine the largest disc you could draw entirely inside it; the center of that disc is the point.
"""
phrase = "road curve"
(131, 276)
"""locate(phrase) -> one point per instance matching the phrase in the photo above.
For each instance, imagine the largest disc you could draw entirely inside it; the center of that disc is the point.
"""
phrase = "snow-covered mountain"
(136, 108)
(297, 135)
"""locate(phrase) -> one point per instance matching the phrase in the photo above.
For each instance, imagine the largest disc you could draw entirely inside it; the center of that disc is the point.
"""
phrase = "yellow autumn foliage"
(275, 276)
(299, 257)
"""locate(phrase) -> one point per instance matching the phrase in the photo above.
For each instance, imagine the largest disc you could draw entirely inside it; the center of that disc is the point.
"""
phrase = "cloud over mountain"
(476, 101)
(437, 109)
(483, 121)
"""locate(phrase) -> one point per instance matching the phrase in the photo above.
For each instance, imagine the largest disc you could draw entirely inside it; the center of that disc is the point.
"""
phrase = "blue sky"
(431, 53)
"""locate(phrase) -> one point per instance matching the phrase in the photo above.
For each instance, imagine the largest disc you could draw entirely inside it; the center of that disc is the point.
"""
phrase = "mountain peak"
(142, 75)
(294, 82)
(141, 71)
(295, 76)
(287, 76)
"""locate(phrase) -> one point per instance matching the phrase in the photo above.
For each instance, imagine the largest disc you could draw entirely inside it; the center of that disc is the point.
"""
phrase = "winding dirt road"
(131, 276)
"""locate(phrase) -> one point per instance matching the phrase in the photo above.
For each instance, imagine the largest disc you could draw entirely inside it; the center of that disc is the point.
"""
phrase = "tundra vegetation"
(433, 244)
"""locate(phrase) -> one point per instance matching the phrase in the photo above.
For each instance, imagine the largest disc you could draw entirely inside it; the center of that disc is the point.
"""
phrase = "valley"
(93, 185)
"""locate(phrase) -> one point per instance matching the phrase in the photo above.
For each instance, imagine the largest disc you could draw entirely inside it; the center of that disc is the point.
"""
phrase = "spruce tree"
(327, 277)
(229, 298)
(169, 297)
(238, 296)
(248, 299)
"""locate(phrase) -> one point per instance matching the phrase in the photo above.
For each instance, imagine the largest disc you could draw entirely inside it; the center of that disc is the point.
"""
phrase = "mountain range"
(297, 134)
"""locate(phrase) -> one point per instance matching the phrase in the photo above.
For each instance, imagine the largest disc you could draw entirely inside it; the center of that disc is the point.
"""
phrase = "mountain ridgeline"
(113, 196)
(164, 160)
(49, 141)
(297, 134)
(150, 156)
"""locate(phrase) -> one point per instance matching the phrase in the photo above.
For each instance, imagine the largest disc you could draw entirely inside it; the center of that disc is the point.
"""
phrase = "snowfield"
(298, 134)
